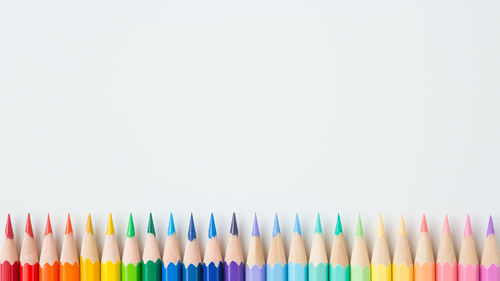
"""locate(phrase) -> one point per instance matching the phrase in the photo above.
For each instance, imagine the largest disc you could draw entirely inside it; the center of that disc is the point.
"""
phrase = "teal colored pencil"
(318, 260)
(339, 262)
(151, 260)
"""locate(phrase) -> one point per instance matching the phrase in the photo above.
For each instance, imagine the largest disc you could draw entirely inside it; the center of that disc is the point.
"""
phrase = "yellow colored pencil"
(402, 264)
(381, 259)
(110, 261)
(90, 268)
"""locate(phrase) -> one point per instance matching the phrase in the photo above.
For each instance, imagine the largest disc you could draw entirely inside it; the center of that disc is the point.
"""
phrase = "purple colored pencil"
(490, 261)
(234, 264)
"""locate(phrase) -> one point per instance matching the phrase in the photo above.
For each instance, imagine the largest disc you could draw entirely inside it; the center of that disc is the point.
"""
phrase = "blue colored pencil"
(171, 264)
(213, 268)
(192, 269)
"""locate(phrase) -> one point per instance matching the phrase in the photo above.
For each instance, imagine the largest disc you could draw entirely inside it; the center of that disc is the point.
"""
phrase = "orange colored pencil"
(69, 267)
(49, 264)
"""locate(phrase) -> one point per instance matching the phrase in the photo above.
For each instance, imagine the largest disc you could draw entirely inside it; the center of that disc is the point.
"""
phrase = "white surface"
(266, 105)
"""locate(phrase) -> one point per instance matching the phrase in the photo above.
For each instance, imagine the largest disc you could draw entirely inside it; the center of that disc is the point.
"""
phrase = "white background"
(250, 106)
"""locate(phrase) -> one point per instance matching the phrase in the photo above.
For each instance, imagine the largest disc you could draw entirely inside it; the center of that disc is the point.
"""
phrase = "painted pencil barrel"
(446, 272)
(381, 272)
(90, 271)
(359, 273)
(339, 273)
(491, 273)
(132, 272)
(192, 272)
(318, 272)
(172, 272)
(213, 272)
(297, 272)
(9, 272)
(425, 272)
(277, 272)
(49, 272)
(111, 271)
(402, 272)
(151, 270)
(29, 272)
(255, 273)
(468, 272)
(234, 271)
(69, 272)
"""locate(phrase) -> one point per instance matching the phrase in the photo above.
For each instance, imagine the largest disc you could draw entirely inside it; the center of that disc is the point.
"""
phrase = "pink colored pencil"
(490, 261)
(446, 261)
(468, 263)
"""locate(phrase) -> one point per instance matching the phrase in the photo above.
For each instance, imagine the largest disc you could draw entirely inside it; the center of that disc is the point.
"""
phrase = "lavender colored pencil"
(256, 263)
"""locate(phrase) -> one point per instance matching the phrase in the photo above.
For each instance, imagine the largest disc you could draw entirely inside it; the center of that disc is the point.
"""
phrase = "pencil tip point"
(48, 226)
(423, 227)
(9, 233)
(69, 227)
(234, 226)
(191, 229)
(491, 227)
(255, 228)
(402, 227)
(276, 226)
(28, 229)
(318, 229)
(151, 225)
(338, 226)
(171, 226)
(212, 231)
(468, 228)
(296, 227)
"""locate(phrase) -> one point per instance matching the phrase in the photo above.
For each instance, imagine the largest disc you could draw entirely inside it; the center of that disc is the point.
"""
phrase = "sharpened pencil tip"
(9, 233)
(191, 229)
(48, 226)
(255, 228)
(234, 226)
(212, 231)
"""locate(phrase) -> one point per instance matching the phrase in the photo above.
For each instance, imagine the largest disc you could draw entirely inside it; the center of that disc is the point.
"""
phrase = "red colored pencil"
(9, 261)
(29, 254)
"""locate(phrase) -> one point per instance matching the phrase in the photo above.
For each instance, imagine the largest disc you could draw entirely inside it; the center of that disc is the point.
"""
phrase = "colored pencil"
(49, 264)
(213, 267)
(192, 269)
(111, 267)
(131, 261)
(425, 268)
(256, 263)
(360, 262)
(234, 265)
(151, 260)
(276, 269)
(402, 264)
(446, 260)
(90, 268)
(381, 259)
(468, 263)
(171, 264)
(318, 260)
(29, 254)
(69, 269)
(340, 269)
(297, 259)
(9, 261)
(490, 261)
